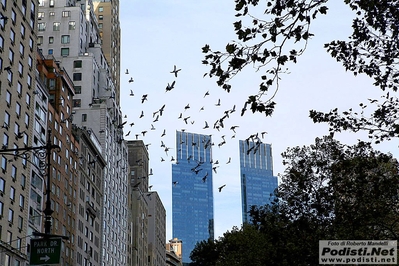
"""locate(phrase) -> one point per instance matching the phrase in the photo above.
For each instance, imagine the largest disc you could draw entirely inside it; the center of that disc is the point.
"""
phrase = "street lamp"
(42, 152)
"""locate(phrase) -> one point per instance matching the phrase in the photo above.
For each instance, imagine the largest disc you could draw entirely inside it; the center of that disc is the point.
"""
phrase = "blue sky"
(156, 35)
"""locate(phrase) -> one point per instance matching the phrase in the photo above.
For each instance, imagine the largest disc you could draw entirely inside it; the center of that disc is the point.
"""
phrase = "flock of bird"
(187, 119)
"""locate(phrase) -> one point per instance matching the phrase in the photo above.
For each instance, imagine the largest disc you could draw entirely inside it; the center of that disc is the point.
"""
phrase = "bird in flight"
(131, 80)
(175, 183)
(131, 93)
(170, 86)
(229, 161)
(206, 94)
(144, 98)
(127, 72)
(233, 128)
(206, 125)
(218, 103)
(221, 187)
(142, 114)
(175, 70)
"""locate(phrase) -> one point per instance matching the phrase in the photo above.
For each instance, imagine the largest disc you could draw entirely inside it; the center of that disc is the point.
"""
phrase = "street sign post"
(45, 251)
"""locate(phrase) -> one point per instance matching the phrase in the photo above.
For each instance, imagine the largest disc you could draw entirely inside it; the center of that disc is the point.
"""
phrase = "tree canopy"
(271, 41)
(328, 191)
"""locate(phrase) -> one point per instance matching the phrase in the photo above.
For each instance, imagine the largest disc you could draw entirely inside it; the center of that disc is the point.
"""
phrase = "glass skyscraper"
(257, 180)
(192, 193)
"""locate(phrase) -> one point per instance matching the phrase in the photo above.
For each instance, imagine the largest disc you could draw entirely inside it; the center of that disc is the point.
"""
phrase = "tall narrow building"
(192, 191)
(69, 31)
(257, 180)
(17, 108)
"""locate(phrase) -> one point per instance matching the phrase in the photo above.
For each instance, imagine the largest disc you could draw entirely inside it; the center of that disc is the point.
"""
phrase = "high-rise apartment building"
(156, 230)
(256, 171)
(17, 99)
(107, 12)
(69, 31)
(192, 191)
(138, 203)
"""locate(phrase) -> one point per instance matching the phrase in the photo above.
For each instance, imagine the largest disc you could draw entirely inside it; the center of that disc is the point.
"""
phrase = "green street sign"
(45, 251)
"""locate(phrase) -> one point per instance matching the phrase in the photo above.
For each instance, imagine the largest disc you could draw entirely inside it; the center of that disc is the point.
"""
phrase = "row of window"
(41, 26)
(65, 39)
(65, 14)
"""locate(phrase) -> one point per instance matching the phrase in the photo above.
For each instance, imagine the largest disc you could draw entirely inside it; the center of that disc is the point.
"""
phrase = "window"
(72, 25)
(27, 118)
(100, 25)
(5, 140)
(77, 63)
(2, 184)
(40, 14)
(50, 51)
(12, 36)
(9, 77)
(100, 9)
(29, 81)
(20, 69)
(19, 89)
(78, 89)
(39, 39)
(64, 51)
(31, 43)
(21, 201)
(23, 181)
(1, 42)
(22, 31)
(27, 99)
(56, 26)
(52, 13)
(6, 120)
(30, 62)
(12, 193)
(13, 16)
(84, 117)
(20, 222)
(65, 39)
(18, 109)
(21, 50)
(41, 26)
(77, 103)
(10, 215)
(51, 39)
(8, 98)
(1, 208)
(3, 164)
(77, 76)
(4, 4)
(11, 56)
(51, 3)
(66, 14)
(100, 17)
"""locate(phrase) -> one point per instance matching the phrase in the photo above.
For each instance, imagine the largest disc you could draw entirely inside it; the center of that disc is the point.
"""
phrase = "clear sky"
(156, 35)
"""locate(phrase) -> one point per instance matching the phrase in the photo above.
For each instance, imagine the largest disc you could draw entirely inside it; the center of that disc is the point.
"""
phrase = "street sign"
(45, 251)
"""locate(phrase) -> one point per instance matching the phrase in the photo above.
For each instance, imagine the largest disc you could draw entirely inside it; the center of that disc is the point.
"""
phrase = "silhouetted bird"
(131, 80)
(175, 71)
(221, 187)
(170, 87)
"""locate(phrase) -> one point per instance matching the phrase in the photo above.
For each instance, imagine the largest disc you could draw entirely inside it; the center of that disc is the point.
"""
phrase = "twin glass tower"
(192, 189)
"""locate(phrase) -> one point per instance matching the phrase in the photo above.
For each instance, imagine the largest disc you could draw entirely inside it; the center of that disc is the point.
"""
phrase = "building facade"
(256, 171)
(192, 191)
(17, 99)
(138, 203)
(156, 230)
(69, 31)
